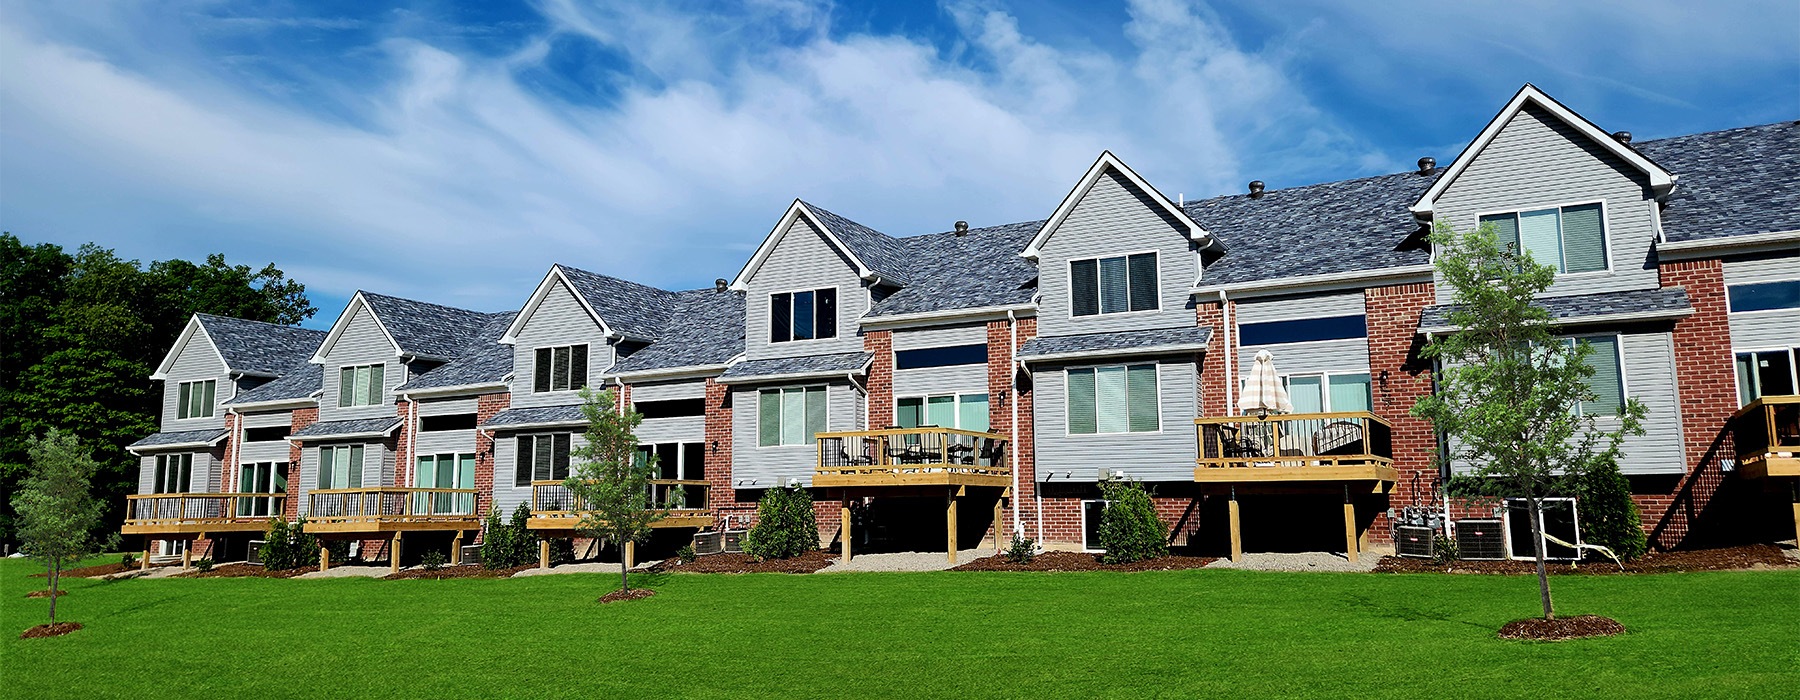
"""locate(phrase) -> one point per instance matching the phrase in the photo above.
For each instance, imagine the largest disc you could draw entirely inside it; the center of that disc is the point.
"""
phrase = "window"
(671, 408)
(965, 411)
(269, 434)
(360, 385)
(444, 471)
(196, 399)
(790, 416)
(174, 474)
(1764, 296)
(805, 315)
(1328, 392)
(1607, 383)
(541, 458)
(1766, 373)
(341, 467)
(1113, 399)
(560, 368)
(1303, 330)
(1113, 285)
(1571, 239)
(941, 357)
(1091, 512)
(454, 421)
(261, 477)
(1559, 521)
(676, 461)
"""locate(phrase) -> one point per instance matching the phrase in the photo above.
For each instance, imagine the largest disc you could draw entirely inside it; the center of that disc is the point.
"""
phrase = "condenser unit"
(471, 554)
(254, 556)
(734, 540)
(1481, 538)
(1415, 541)
(708, 543)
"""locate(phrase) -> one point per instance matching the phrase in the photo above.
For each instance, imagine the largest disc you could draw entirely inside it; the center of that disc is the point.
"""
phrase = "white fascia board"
(938, 318)
(669, 374)
(1107, 161)
(357, 302)
(152, 449)
(482, 388)
(1712, 247)
(532, 426)
(796, 376)
(1661, 181)
(181, 343)
(537, 299)
(341, 436)
(1588, 320)
(275, 404)
(1357, 279)
(1116, 352)
(794, 212)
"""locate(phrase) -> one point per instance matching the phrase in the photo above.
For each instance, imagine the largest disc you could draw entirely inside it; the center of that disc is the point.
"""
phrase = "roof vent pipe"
(1256, 189)
(962, 228)
(721, 285)
(1427, 165)
(1623, 137)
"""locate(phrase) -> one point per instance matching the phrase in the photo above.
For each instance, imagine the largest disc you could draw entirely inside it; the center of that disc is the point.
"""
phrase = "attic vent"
(1623, 137)
(1256, 189)
(962, 228)
(721, 284)
(1427, 165)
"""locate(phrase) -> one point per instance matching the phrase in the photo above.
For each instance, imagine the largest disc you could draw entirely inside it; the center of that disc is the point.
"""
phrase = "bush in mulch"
(45, 594)
(458, 571)
(633, 594)
(1542, 630)
(57, 630)
(730, 563)
(1079, 561)
(1755, 556)
(246, 571)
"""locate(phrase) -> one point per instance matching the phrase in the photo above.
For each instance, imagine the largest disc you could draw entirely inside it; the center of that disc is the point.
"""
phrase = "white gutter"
(492, 430)
(150, 449)
(411, 429)
(1355, 279)
(1755, 242)
(821, 374)
(1012, 455)
(436, 391)
(1590, 320)
(926, 318)
(693, 372)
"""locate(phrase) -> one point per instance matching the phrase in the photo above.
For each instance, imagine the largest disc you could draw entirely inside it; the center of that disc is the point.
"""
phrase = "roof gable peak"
(1105, 163)
(797, 210)
(358, 302)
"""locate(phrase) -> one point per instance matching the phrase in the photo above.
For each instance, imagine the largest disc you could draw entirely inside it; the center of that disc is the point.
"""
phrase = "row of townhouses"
(964, 386)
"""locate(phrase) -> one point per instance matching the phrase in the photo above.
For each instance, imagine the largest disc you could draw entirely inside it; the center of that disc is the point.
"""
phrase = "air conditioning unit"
(254, 556)
(1415, 541)
(471, 554)
(1481, 539)
(709, 543)
(734, 540)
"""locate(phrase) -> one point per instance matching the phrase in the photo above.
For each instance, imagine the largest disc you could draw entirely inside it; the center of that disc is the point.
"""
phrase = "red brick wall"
(718, 456)
(1213, 376)
(1001, 379)
(1399, 378)
(881, 378)
(300, 418)
(1708, 397)
(403, 442)
(486, 407)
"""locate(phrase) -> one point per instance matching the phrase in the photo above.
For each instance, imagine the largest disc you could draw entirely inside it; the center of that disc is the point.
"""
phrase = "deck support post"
(950, 525)
(630, 553)
(1237, 539)
(1796, 511)
(144, 563)
(844, 533)
(324, 556)
(394, 554)
(999, 524)
(1352, 538)
(187, 554)
(456, 549)
(543, 553)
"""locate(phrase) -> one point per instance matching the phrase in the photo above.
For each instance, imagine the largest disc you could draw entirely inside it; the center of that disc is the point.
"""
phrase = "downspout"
(1225, 326)
(863, 390)
(412, 441)
(1443, 447)
(1012, 455)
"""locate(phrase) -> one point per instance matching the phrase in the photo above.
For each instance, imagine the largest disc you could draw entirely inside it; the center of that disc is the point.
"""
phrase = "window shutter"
(356, 467)
(377, 384)
(1609, 389)
(1084, 287)
(559, 369)
(1506, 229)
(1540, 236)
(1584, 238)
(781, 318)
(1144, 416)
(768, 418)
(1113, 294)
(1143, 281)
(559, 457)
(825, 321)
(540, 371)
(578, 366)
(522, 461)
(185, 391)
(1081, 401)
(815, 413)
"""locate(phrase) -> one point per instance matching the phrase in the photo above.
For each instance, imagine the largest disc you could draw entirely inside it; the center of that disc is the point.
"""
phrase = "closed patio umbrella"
(1262, 388)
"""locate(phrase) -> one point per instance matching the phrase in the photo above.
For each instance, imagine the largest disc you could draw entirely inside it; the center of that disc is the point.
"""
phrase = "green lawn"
(1177, 634)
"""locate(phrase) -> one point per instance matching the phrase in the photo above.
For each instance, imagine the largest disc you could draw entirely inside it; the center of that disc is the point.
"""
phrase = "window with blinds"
(1571, 239)
(360, 385)
(541, 458)
(195, 399)
(1113, 285)
(1113, 399)
(341, 467)
(560, 368)
(790, 416)
(1608, 380)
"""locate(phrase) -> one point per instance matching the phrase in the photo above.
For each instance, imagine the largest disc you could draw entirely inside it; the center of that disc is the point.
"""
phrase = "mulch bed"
(633, 594)
(45, 594)
(246, 571)
(460, 571)
(1542, 630)
(98, 571)
(1078, 561)
(729, 563)
(57, 630)
(1754, 556)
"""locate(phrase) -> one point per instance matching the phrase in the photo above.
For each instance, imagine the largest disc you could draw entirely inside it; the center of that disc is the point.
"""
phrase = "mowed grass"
(1168, 634)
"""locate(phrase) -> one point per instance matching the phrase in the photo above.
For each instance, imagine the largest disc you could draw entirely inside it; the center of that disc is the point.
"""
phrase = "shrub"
(1443, 549)
(203, 565)
(685, 554)
(1129, 528)
(432, 560)
(785, 526)
(289, 546)
(128, 561)
(1022, 550)
(505, 545)
(1608, 516)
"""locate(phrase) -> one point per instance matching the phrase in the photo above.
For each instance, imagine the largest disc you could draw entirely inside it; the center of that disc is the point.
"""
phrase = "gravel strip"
(1303, 561)
(347, 571)
(904, 561)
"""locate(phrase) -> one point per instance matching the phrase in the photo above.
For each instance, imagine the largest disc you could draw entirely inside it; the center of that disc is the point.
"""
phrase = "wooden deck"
(928, 456)
(391, 509)
(553, 507)
(199, 513)
(1766, 434)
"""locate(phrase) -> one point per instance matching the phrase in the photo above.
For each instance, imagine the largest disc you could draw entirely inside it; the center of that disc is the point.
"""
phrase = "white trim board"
(1108, 161)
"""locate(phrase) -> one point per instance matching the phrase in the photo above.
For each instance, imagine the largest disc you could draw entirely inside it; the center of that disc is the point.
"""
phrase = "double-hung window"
(790, 416)
(807, 315)
(560, 368)
(341, 467)
(1113, 399)
(541, 458)
(961, 411)
(1608, 382)
(360, 385)
(1766, 373)
(1571, 239)
(174, 473)
(1113, 285)
(1328, 392)
(195, 399)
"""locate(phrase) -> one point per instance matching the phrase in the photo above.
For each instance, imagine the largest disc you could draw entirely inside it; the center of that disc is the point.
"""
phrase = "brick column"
(486, 407)
(403, 442)
(300, 418)
(1708, 397)
(881, 378)
(1000, 379)
(1399, 377)
(722, 495)
(1213, 377)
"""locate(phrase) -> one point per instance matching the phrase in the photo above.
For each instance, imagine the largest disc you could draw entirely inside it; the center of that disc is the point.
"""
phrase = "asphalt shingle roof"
(1318, 229)
(336, 428)
(808, 364)
(257, 347)
(423, 328)
(881, 252)
(182, 437)
(706, 328)
(976, 270)
(636, 310)
(1670, 300)
(297, 382)
(538, 415)
(484, 361)
(1732, 182)
(1172, 339)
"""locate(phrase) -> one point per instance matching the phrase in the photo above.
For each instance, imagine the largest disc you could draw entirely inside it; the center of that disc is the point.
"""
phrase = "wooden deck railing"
(391, 503)
(913, 450)
(201, 508)
(551, 499)
(1768, 426)
(1295, 440)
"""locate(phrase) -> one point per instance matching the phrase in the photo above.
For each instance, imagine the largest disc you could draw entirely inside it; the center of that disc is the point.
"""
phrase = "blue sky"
(452, 152)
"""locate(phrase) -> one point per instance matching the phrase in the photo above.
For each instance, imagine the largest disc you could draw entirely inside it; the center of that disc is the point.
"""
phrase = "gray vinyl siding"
(559, 320)
(1167, 455)
(506, 453)
(960, 379)
(666, 391)
(802, 261)
(206, 476)
(1764, 330)
(448, 407)
(379, 456)
(942, 336)
(1537, 162)
(456, 441)
(199, 361)
(266, 450)
(754, 467)
(1347, 355)
(1113, 219)
(1649, 366)
(1290, 308)
(684, 429)
(267, 419)
(362, 343)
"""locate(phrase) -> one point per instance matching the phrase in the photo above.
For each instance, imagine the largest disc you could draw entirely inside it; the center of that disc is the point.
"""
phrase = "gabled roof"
(344, 429)
(1734, 182)
(484, 363)
(1107, 162)
(874, 254)
(804, 367)
(1110, 344)
(622, 308)
(296, 383)
(247, 347)
(976, 270)
(704, 330)
(1333, 227)
(569, 415)
(1661, 180)
(415, 328)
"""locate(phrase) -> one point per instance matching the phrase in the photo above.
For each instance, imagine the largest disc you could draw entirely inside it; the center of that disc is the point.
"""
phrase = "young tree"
(57, 514)
(1514, 400)
(610, 485)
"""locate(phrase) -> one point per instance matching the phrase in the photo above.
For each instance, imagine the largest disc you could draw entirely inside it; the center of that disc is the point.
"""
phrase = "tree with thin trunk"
(57, 512)
(610, 482)
(1515, 403)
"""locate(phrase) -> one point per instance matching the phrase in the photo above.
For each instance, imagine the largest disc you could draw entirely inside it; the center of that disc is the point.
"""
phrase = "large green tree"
(80, 334)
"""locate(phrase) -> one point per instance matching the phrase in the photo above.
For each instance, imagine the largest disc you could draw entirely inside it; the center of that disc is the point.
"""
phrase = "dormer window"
(560, 368)
(360, 385)
(1114, 285)
(808, 315)
(195, 399)
(1570, 239)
